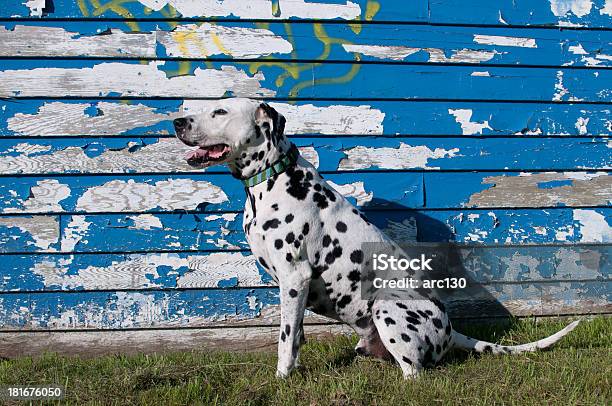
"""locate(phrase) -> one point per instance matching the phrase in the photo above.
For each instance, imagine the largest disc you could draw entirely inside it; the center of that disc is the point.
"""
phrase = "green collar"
(278, 167)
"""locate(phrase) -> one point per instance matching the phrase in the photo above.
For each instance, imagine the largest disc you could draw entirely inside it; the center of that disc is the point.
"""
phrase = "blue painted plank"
(481, 264)
(341, 80)
(218, 192)
(593, 13)
(146, 155)
(282, 9)
(324, 42)
(119, 233)
(131, 309)
(197, 308)
(48, 117)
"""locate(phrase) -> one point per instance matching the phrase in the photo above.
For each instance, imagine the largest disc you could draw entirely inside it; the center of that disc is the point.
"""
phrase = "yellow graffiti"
(115, 7)
(83, 8)
(187, 40)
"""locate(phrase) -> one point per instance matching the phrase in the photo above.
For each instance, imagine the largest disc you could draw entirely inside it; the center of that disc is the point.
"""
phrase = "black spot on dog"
(341, 227)
(283, 336)
(405, 337)
(278, 244)
(363, 322)
(412, 320)
(298, 186)
(345, 300)
(290, 238)
(406, 360)
(326, 240)
(274, 223)
(437, 322)
(306, 229)
(412, 314)
(354, 276)
(411, 327)
(389, 321)
(289, 257)
(320, 200)
(401, 305)
(289, 218)
(293, 292)
(357, 256)
(287, 329)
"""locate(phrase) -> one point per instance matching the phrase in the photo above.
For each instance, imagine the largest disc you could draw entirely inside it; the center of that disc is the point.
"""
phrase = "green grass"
(576, 371)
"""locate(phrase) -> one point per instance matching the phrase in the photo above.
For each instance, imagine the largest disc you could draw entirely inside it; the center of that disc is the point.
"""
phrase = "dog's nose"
(180, 123)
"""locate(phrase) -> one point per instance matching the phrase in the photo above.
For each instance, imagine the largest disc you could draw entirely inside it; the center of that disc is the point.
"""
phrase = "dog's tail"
(471, 344)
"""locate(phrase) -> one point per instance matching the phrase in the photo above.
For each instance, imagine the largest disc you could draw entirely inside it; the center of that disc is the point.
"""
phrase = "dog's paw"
(282, 374)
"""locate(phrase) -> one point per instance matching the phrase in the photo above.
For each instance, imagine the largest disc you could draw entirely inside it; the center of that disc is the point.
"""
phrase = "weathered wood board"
(197, 270)
(165, 155)
(478, 123)
(165, 79)
(303, 42)
(88, 118)
(572, 13)
(219, 192)
(163, 232)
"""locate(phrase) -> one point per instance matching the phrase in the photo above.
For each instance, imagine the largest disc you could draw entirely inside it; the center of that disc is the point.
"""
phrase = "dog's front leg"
(293, 284)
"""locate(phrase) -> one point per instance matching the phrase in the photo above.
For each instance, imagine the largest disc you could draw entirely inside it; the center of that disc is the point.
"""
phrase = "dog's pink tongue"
(217, 151)
(196, 153)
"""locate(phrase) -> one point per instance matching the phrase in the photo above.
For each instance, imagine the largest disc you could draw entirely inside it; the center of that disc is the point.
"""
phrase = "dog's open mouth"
(204, 156)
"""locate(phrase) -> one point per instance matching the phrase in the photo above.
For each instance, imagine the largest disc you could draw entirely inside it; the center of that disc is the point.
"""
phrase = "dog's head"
(245, 134)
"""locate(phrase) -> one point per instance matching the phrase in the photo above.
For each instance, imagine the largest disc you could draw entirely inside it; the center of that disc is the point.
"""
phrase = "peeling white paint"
(403, 157)
(355, 190)
(436, 55)
(310, 154)
(481, 73)
(259, 8)
(44, 197)
(587, 189)
(594, 59)
(607, 8)
(560, 90)
(199, 41)
(468, 127)
(581, 125)
(561, 8)
(594, 227)
(141, 271)
(307, 118)
(135, 80)
(26, 40)
(29, 149)
(209, 270)
(129, 196)
(36, 7)
(505, 41)
(44, 230)
(166, 155)
(57, 118)
(74, 232)
(145, 222)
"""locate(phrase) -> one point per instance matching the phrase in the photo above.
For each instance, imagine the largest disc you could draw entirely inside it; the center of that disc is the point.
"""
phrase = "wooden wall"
(478, 122)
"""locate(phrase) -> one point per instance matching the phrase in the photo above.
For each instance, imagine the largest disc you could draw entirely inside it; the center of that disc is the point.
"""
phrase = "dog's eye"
(219, 111)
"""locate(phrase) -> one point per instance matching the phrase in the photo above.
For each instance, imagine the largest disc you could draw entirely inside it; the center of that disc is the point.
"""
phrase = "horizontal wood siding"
(484, 124)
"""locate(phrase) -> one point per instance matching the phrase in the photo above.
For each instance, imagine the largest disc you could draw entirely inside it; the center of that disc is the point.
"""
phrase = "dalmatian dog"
(308, 237)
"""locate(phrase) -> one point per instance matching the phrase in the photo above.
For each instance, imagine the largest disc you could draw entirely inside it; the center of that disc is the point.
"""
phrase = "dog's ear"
(270, 122)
